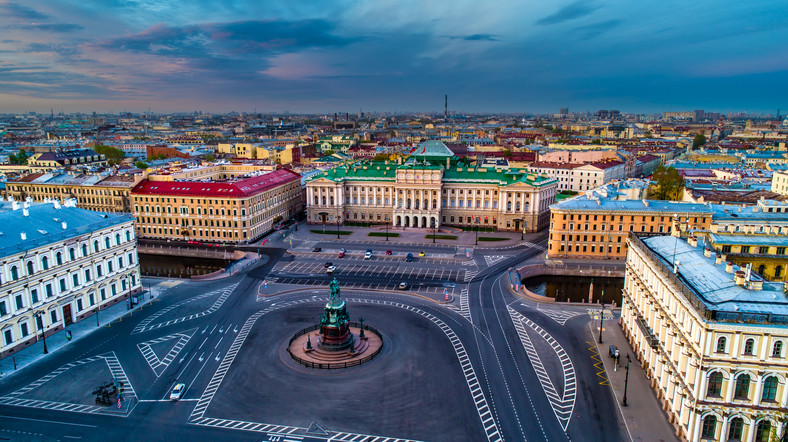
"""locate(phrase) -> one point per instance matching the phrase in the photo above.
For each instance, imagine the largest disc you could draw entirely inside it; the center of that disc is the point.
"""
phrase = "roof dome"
(432, 148)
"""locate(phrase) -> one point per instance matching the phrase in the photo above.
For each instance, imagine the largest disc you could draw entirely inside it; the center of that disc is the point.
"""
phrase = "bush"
(449, 237)
(331, 232)
(384, 234)
(491, 238)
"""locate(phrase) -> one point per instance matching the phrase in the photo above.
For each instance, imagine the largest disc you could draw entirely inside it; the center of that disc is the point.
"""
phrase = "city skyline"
(318, 58)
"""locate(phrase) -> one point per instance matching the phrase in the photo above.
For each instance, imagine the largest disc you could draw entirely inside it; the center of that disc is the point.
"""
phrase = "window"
(62, 285)
(721, 342)
(103, 294)
(98, 270)
(748, 346)
(763, 250)
(763, 431)
(3, 309)
(715, 384)
(84, 250)
(75, 280)
(9, 336)
(777, 349)
(23, 329)
(781, 250)
(726, 249)
(736, 429)
(95, 246)
(117, 238)
(87, 275)
(59, 258)
(742, 390)
(745, 249)
(778, 272)
(30, 267)
(14, 273)
(45, 263)
(106, 242)
(20, 303)
(761, 269)
(72, 254)
(79, 304)
(33, 296)
(709, 427)
(769, 389)
(53, 316)
(48, 289)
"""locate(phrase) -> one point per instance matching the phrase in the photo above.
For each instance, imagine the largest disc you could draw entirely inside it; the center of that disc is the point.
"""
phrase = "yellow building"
(222, 208)
(765, 254)
(711, 337)
(102, 193)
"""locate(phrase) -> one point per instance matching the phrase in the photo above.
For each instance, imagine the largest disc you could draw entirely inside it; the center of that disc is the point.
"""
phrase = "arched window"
(736, 429)
(95, 246)
(59, 258)
(508, 206)
(769, 389)
(84, 250)
(72, 254)
(721, 342)
(45, 263)
(117, 238)
(14, 273)
(742, 390)
(128, 234)
(778, 272)
(761, 269)
(715, 384)
(517, 205)
(777, 349)
(30, 268)
(763, 431)
(106, 242)
(748, 346)
(709, 429)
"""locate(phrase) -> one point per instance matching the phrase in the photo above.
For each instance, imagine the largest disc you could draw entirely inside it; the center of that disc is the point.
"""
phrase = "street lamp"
(98, 308)
(387, 232)
(601, 318)
(477, 231)
(433, 229)
(522, 230)
(337, 226)
(40, 320)
(626, 381)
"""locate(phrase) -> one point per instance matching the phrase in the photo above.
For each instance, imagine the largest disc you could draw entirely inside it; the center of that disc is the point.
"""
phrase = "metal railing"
(335, 365)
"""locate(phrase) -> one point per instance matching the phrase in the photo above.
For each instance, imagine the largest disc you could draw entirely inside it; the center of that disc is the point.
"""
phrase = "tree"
(380, 157)
(668, 183)
(210, 157)
(507, 153)
(114, 156)
(596, 141)
(699, 140)
(20, 158)
(140, 165)
(328, 152)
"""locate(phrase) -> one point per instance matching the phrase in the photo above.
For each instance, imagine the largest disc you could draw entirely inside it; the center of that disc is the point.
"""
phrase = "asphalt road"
(489, 366)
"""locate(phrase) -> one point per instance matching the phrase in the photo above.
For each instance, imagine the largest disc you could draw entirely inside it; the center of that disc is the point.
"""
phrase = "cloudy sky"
(346, 55)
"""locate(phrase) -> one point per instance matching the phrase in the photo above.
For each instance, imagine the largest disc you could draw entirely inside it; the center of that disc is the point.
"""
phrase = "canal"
(576, 288)
(179, 266)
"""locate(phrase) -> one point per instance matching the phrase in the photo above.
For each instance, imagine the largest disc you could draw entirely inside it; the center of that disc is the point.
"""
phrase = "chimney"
(23, 235)
(64, 225)
(676, 265)
(25, 212)
(692, 241)
(707, 252)
(729, 267)
(448, 162)
(738, 278)
(756, 285)
(15, 205)
(56, 204)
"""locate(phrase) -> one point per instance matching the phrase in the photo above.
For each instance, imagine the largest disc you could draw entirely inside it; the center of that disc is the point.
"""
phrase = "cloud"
(17, 11)
(476, 37)
(593, 30)
(572, 11)
(54, 27)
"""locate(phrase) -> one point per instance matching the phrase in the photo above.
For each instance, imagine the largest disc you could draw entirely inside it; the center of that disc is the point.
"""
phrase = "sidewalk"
(412, 235)
(643, 414)
(35, 352)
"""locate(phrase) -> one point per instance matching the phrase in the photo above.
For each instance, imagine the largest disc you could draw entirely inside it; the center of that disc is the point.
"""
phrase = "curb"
(451, 297)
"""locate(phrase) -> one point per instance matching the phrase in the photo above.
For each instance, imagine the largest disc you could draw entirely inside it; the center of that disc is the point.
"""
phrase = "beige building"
(431, 189)
(780, 183)
(223, 207)
(99, 192)
(712, 338)
(58, 265)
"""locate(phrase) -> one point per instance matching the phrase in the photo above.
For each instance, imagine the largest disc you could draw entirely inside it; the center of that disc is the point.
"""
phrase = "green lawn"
(491, 238)
(449, 237)
(384, 234)
(331, 232)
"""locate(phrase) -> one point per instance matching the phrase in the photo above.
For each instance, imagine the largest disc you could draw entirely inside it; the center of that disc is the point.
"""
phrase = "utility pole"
(601, 318)
(626, 381)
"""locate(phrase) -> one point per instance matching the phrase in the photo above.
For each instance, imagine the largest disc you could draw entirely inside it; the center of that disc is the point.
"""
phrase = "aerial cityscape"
(393, 221)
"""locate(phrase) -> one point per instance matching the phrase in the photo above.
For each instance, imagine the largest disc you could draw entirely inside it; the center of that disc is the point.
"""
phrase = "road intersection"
(487, 365)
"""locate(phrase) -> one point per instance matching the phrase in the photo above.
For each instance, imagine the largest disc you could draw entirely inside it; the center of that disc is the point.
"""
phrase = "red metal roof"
(226, 189)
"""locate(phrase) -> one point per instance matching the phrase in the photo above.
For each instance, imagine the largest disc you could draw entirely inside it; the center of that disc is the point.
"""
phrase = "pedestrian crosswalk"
(463, 308)
(492, 259)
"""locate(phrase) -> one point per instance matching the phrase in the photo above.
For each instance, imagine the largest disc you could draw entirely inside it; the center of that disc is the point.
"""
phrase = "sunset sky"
(386, 55)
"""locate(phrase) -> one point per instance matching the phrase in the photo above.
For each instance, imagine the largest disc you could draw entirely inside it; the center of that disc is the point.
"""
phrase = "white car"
(331, 269)
(368, 255)
(177, 391)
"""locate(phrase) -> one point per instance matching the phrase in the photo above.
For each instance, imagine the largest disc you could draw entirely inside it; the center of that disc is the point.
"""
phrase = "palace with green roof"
(432, 187)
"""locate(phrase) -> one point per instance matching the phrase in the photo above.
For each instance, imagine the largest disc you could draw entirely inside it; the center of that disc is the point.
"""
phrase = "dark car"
(409, 258)
(317, 249)
(612, 351)
(328, 264)
(388, 252)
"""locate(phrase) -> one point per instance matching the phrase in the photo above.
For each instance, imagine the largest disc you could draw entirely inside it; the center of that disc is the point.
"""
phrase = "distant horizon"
(321, 57)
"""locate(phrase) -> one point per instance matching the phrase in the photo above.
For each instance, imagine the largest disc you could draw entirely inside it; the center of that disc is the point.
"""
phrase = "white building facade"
(58, 265)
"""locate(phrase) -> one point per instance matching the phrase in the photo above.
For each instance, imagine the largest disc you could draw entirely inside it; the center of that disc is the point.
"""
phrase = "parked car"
(613, 351)
(403, 286)
(317, 249)
(368, 255)
(343, 250)
(341, 253)
(331, 269)
(388, 252)
(328, 264)
(409, 258)
(177, 391)
(422, 253)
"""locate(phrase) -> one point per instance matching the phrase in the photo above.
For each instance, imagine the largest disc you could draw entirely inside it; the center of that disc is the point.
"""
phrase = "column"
(501, 202)
(751, 430)
(309, 193)
(784, 400)
(756, 400)
(695, 430)
(724, 429)
(704, 380)
(731, 388)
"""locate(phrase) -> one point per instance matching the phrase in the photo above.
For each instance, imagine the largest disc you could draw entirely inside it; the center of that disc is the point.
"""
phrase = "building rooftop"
(707, 282)
(45, 223)
(751, 240)
(236, 188)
